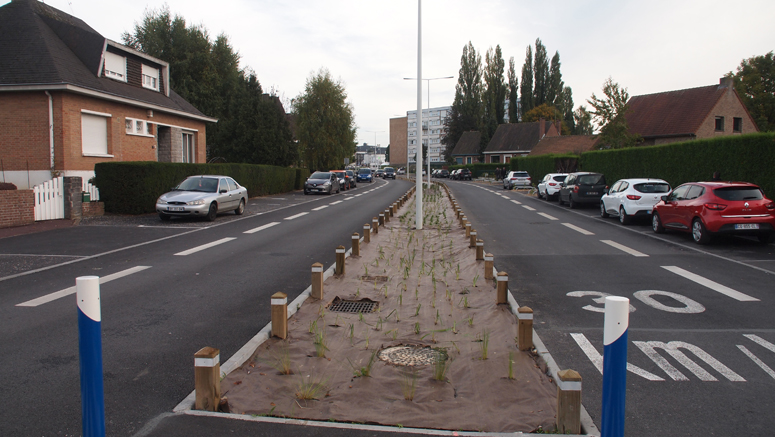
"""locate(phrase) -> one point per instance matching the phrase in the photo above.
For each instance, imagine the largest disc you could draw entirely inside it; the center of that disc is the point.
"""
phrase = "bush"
(538, 166)
(133, 187)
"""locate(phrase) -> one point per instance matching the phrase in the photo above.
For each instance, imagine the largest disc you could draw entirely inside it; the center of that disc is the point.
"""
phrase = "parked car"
(364, 175)
(379, 173)
(550, 185)
(582, 187)
(203, 196)
(632, 198)
(454, 174)
(401, 171)
(443, 173)
(351, 178)
(709, 208)
(322, 182)
(389, 173)
(516, 179)
(344, 180)
(464, 174)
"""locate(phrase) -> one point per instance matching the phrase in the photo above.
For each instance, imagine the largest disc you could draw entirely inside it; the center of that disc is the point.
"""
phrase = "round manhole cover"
(404, 355)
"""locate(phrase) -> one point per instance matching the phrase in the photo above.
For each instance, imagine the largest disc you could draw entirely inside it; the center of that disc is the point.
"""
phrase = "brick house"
(517, 139)
(466, 150)
(689, 114)
(70, 98)
(565, 144)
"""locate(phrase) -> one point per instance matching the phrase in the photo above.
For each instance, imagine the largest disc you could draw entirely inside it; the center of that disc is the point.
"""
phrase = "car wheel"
(241, 208)
(164, 217)
(212, 212)
(623, 217)
(656, 224)
(603, 213)
(699, 232)
(571, 203)
(766, 238)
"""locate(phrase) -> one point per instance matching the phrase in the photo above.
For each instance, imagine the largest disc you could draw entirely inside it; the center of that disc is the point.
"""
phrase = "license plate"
(747, 226)
(175, 209)
(591, 192)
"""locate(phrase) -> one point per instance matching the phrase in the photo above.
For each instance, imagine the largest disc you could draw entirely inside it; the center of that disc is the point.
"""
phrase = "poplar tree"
(541, 74)
(554, 90)
(526, 87)
(466, 112)
(513, 93)
(494, 95)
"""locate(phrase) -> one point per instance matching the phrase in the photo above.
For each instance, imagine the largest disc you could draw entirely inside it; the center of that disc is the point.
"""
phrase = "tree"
(583, 120)
(325, 123)
(555, 85)
(565, 107)
(609, 115)
(544, 111)
(387, 153)
(526, 87)
(513, 93)
(493, 96)
(466, 112)
(541, 74)
(755, 83)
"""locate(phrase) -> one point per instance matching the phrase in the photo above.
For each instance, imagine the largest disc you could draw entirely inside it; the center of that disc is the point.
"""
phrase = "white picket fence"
(50, 198)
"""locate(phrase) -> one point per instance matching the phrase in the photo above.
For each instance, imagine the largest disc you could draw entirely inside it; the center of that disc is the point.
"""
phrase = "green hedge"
(749, 158)
(538, 166)
(133, 187)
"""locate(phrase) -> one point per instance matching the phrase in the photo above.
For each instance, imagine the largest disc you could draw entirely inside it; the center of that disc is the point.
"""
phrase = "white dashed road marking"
(205, 246)
(715, 286)
(261, 228)
(623, 248)
(543, 214)
(529, 208)
(296, 216)
(338, 201)
(578, 229)
(320, 207)
(68, 291)
(516, 202)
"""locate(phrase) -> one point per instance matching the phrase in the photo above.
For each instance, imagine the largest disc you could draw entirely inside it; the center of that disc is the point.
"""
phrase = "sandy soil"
(430, 292)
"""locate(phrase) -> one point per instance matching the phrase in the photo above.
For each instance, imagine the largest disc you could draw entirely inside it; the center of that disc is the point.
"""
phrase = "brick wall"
(92, 209)
(17, 208)
(24, 135)
(729, 106)
(398, 140)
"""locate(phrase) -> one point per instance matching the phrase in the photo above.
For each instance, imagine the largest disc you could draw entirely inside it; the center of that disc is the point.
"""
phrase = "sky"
(371, 46)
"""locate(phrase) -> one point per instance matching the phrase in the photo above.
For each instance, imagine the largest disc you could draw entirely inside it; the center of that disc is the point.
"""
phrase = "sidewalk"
(36, 227)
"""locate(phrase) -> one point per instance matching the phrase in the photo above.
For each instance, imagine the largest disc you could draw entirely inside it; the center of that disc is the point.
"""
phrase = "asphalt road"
(172, 288)
(701, 334)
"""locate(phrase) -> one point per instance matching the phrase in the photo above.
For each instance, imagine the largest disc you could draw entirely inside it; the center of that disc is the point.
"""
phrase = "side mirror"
(224, 191)
(664, 198)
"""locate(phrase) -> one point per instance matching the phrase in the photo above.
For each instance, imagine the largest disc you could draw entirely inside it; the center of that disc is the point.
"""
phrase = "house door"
(164, 144)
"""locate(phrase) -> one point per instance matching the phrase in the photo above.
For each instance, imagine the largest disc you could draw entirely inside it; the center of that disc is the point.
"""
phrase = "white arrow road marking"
(543, 214)
(205, 246)
(261, 228)
(516, 203)
(715, 286)
(597, 359)
(529, 208)
(624, 248)
(296, 216)
(756, 360)
(578, 229)
(71, 290)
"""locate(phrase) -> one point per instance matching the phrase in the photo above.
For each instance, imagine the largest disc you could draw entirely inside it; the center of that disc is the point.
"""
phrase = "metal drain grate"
(408, 355)
(352, 306)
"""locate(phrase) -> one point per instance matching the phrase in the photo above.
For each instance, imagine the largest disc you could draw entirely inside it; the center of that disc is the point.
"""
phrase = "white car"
(550, 185)
(516, 179)
(631, 198)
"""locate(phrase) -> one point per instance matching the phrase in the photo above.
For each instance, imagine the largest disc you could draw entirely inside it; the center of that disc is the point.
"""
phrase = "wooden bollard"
(381, 221)
(463, 221)
(207, 379)
(472, 238)
(395, 208)
(356, 244)
(479, 249)
(366, 233)
(375, 225)
(340, 260)
(525, 328)
(317, 281)
(468, 228)
(387, 215)
(569, 402)
(280, 315)
(488, 262)
(503, 286)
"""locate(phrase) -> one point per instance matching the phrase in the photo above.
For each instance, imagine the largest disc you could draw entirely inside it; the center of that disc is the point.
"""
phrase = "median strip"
(205, 246)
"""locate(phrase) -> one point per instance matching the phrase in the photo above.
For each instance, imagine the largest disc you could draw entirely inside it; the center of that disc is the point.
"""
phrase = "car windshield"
(590, 179)
(652, 187)
(560, 178)
(739, 193)
(388, 168)
(320, 175)
(364, 171)
(207, 185)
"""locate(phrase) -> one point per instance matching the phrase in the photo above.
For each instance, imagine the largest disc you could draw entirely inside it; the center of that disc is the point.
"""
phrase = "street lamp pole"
(418, 214)
(429, 107)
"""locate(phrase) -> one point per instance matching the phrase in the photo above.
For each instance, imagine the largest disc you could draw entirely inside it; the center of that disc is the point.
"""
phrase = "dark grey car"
(581, 188)
(322, 182)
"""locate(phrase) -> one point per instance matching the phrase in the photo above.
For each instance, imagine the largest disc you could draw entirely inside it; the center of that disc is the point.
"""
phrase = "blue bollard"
(90, 349)
(617, 319)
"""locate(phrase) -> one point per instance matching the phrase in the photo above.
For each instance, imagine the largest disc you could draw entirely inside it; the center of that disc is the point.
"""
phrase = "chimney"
(726, 82)
(541, 128)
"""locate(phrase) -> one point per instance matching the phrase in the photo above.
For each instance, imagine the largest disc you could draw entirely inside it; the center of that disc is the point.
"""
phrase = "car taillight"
(633, 197)
(770, 205)
(715, 206)
(552, 184)
(513, 179)
(575, 188)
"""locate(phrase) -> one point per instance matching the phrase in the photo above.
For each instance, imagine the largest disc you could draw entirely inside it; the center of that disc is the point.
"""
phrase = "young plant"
(476, 278)
(281, 359)
(417, 311)
(441, 364)
(470, 321)
(409, 384)
(417, 327)
(320, 342)
(364, 370)
(484, 343)
(311, 388)
(511, 365)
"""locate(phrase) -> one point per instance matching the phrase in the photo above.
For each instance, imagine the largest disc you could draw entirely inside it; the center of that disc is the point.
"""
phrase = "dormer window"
(150, 78)
(115, 66)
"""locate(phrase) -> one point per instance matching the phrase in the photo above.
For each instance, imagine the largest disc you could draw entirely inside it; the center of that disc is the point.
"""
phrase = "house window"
(495, 159)
(737, 124)
(188, 148)
(468, 159)
(138, 127)
(459, 160)
(115, 66)
(150, 77)
(719, 124)
(94, 134)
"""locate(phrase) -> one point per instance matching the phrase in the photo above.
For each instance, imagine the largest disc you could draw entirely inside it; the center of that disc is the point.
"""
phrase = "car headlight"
(196, 202)
(161, 201)
(327, 183)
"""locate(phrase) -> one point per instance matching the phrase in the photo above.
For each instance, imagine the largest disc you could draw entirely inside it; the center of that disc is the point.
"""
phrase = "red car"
(709, 208)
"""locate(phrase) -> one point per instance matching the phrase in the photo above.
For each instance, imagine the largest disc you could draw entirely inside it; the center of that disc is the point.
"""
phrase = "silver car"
(322, 182)
(203, 196)
(516, 179)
